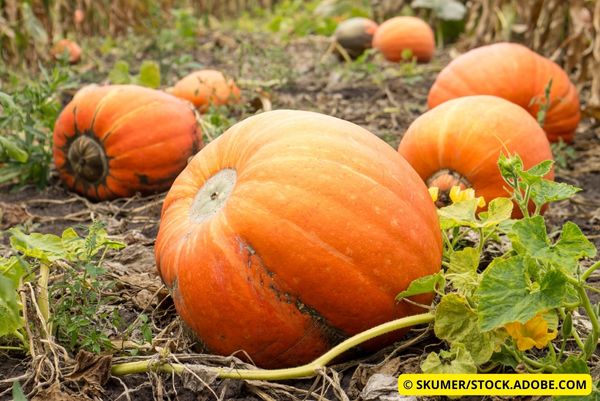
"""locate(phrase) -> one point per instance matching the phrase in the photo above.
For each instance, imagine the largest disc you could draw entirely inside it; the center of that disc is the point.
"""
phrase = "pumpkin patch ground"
(108, 304)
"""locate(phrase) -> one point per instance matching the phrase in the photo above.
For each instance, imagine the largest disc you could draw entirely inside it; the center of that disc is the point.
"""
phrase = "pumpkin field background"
(281, 56)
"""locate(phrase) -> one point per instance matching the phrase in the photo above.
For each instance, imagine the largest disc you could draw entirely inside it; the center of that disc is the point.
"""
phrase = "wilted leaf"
(462, 270)
(507, 295)
(457, 360)
(456, 322)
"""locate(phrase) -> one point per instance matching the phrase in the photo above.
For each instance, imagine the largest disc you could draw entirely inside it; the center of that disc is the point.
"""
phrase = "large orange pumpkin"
(355, 35)
(398, 35)
(515, 73)
(459, 142)
(292, 231)
(206, 87)
(114, 141)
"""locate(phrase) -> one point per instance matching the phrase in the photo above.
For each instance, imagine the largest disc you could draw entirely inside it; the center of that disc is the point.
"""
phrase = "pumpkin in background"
(206, 87)
(291, 232)
(355, 35)
(401, 35)
(115, 141)
(459, 142)
(513, 72)
(66, 46)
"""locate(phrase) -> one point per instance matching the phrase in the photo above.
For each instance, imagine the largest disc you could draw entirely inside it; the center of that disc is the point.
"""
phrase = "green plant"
(563, 153)
(26, 120)
(148, 76)
(72, 288)
(448, 18)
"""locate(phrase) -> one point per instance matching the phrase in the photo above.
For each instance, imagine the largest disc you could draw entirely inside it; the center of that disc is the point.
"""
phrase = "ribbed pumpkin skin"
(400, 33)
(467, 135)
(147, 137)
(325, 225)
(355, 35)
(206, 87)
(513, 72)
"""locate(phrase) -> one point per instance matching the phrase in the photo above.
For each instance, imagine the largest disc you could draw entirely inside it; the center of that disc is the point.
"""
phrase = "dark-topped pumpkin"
(115, 141)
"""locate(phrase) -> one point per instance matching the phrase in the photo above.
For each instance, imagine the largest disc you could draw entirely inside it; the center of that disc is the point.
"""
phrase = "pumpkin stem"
(445, 179)
(304, 371)
(213, 194)
(87, 159)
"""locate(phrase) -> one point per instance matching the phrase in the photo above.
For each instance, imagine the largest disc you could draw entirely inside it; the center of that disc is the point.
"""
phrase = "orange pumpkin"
(206, 87)
(459, 142)
(292, 231)
(67, 46)
(355, 35)
(115, 141)
(515, 73)
(399, 35)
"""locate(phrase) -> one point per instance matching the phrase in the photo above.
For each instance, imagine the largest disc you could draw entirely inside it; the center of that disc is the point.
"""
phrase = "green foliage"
(26, 122)
(486, 316)
(79, 297)
(148, 76)
(563, 154)
(447, 15)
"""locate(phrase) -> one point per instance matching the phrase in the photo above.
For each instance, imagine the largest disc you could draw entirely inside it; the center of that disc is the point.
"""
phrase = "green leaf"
(10, 309)
(545, 191)
(499, 210)
(462, 270)
(577, 365)
(17, 392)
(13, 150)
(573, 365)
(506, 293)
(7, 100)
(460, 214)
(541, 169)
(423, 285)
(149, 74)
(119, 75)
(457, 360)
(45, 247)
(529, 237)
(457, 322)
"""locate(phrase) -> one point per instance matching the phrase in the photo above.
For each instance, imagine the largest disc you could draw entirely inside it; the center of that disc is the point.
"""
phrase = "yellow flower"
(458, 195)
(434, 192)
(533, 333)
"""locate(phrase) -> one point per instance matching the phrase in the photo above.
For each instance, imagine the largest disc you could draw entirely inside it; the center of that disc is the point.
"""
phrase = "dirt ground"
(385, 103)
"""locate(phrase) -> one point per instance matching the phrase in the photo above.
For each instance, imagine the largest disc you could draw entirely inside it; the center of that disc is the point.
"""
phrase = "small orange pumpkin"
(65, 45)
(115, 141)
(292, 231)
(398, 35)
(355, 35)
(459, 142)
(206, 87)
(515, 73)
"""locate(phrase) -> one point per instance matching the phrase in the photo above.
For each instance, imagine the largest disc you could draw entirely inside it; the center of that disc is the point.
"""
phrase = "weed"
(26, 122)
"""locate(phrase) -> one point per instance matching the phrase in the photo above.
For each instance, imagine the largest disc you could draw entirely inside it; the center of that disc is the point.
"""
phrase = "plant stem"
(587, 305)
(304, 371)
(590, 271)
(43, 302)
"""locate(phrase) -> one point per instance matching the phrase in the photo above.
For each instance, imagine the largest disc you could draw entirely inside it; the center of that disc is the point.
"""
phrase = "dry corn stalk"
(566, 31)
